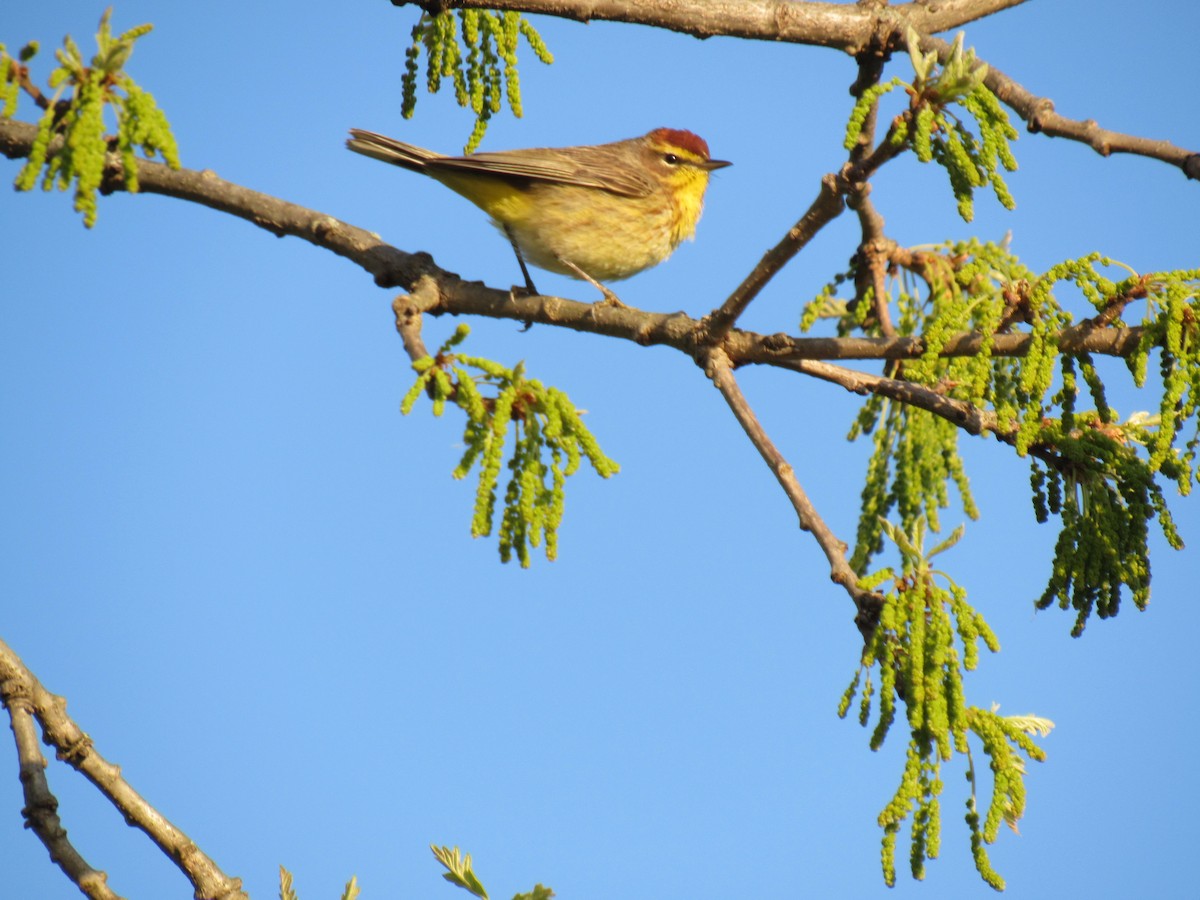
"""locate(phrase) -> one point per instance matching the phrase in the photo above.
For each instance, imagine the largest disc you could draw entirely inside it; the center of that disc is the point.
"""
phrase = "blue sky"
(254, 581)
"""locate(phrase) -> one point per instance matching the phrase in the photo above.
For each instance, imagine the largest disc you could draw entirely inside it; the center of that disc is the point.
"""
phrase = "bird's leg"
(610, 299)
(533, 291)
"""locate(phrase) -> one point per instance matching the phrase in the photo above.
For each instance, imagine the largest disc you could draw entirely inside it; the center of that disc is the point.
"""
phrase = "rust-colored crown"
(684, 140)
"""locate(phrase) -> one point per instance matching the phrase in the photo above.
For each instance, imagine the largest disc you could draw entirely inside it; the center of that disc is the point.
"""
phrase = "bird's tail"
(389, 150)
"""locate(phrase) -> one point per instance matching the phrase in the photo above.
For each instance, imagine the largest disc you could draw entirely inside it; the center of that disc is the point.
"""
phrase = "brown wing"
(582, 166)
(389, 150)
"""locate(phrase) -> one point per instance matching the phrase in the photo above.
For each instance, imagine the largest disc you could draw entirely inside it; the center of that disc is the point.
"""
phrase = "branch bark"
(838, 25)
(711, 341)
(442, 292)
(26, 699)
(718, 368)
(827, 207)
(850, 28)
(1039, 116)
(41, 806)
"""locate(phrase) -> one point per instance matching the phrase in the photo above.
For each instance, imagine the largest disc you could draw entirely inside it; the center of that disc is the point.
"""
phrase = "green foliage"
(914, 460)
(915, 647)
(942, 137)
(862, 108)
(1105, 494)
(80, 119)
(285, 885)
(460, 873)
(1099, 475)
(489, 69)
(286, 891)
(11, 71)
(936, 134)
(545, 424)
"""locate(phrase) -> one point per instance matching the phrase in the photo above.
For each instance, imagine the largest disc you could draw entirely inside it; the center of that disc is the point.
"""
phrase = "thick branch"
(446, 293)
(75, 748)
(842, 26)
(718, 368)
(437, 292)
(852, 28)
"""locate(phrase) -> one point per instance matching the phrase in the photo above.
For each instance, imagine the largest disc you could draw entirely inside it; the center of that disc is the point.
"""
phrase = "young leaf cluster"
(939, 294)
(79, 119)
(1172, 325)
(1106, 495)
(287, 892)
(1101, 476)
(915, 653)
(913, 461)
(936, 134)
(477, 50)
(11, 71)
(460, 874)
(550, 443)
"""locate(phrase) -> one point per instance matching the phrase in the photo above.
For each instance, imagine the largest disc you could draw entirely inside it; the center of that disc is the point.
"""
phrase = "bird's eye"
(671, 159)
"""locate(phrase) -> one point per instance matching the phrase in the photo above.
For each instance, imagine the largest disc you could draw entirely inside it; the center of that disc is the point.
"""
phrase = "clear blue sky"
(254, 581)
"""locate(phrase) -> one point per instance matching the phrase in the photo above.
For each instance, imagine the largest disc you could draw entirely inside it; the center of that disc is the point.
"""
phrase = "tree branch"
(966, 416)
(782, 349)
(1039, 114)
(24, 695)
(446, 293)
(851, 28)
(839, 25)
(41, 806)
(718, 368)
(438, 292)
(408, 309)
(827, 207)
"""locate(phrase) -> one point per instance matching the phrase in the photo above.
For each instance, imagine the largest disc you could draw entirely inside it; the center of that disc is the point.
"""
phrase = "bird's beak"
(711, 164)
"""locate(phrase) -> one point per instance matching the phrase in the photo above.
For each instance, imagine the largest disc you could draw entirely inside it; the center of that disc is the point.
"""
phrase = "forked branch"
(41, 806)
(26, 699)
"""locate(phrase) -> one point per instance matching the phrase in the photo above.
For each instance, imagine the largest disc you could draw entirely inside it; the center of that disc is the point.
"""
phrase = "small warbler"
(598, 213)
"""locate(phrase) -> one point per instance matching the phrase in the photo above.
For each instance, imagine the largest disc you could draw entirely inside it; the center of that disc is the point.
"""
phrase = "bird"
(598, 213)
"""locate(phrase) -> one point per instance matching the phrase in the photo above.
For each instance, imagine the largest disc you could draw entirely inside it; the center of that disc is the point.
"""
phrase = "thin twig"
(1039, 114)
(872, 247)
(875, 252)
(717, 367)
(964, 415)
(408, 309)
(850, 184)
(26, 84)
(870, 69)
(827, 207)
